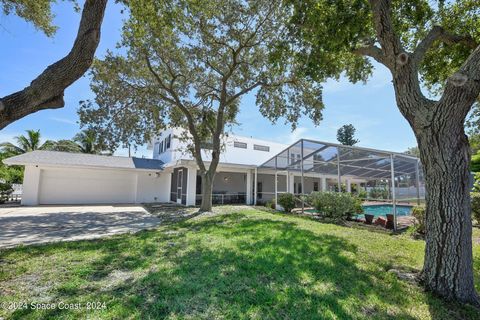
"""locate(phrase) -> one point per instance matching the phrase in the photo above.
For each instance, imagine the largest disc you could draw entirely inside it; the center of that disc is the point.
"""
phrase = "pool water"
(384, 209)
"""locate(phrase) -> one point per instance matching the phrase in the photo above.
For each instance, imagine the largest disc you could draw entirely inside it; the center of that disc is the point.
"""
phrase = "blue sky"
(26, 52)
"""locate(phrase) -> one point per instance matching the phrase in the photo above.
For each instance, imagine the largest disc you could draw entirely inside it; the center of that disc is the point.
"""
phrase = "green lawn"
(239, 264)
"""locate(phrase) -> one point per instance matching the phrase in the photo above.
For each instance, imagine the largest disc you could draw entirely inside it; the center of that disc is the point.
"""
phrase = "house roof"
(56, 158)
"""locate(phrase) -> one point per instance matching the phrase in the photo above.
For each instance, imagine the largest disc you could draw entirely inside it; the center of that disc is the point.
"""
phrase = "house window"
(261, 148)
(169, 139)
(315, 186)
(160, 149)
(238, 144)
(259, 190)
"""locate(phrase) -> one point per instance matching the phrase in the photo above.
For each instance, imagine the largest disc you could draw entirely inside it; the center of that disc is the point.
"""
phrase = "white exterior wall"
(86, 186)
(63, 185)
(152, 187)
(230, 154)
(191, 186)
(31, 182)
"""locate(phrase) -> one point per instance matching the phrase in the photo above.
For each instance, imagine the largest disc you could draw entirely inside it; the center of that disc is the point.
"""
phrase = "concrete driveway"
(34, 225)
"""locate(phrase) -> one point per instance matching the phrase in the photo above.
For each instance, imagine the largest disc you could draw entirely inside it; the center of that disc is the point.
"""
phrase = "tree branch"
(373, 52)
(46, 91)
(439, 33)
(463, 87)
(388, 39)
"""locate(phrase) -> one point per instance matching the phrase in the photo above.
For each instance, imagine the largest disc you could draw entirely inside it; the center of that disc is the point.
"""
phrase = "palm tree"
(87, 140)
(25, 143)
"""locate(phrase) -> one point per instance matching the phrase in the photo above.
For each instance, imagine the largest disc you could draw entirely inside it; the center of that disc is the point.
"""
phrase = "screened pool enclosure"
(374, 175)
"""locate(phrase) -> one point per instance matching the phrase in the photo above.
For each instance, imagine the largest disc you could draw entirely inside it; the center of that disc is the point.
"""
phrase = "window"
(259, 190)
(238, 144)
(169, 140)
(261, 148)
(315, 186)
(160, 150)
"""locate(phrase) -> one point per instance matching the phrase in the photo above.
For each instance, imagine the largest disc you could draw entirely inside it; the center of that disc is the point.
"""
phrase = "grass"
(240, 263)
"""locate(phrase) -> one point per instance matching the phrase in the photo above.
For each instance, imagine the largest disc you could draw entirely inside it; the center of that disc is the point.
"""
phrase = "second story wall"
(237, 149)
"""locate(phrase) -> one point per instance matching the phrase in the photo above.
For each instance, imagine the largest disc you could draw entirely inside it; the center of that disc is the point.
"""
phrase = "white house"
(250, 171)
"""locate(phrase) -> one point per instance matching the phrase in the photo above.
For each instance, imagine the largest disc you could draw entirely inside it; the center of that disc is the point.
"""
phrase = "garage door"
(86, 186)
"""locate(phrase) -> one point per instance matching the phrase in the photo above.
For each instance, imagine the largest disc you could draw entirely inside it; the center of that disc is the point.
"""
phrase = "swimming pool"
(383, 209)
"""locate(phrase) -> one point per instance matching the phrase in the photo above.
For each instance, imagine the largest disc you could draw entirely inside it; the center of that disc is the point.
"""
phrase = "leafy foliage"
(5, 190)
(475, 162)
(37, 12)
(287, 201)
(418, 212)
(10, 174)
(413, 151)
(378, 193)
(90, 141)
(336, 205)
(475, 196)
(315, 21)
(346, 135)
(187, 65)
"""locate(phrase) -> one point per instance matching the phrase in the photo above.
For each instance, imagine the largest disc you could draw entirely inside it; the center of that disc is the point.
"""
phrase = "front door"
(179, 185)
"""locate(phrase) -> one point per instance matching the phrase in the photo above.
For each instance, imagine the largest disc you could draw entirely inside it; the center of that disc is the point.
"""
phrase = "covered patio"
(373, 175)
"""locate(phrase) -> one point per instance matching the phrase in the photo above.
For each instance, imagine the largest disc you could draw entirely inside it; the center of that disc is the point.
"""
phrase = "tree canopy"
(346, 135)
(187, 57)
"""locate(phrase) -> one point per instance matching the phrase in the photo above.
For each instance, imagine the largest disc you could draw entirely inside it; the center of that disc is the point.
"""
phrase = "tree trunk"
(445, 155)
(207, 189)
(46, 91)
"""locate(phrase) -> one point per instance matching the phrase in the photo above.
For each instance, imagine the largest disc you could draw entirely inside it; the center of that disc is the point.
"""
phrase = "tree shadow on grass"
(233, 267)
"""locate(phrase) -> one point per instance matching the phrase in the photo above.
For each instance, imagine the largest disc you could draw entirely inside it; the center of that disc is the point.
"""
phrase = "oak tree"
(422, 43)
(187, 64)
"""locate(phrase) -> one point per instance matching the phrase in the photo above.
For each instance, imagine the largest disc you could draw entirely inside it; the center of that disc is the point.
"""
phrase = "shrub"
(419, 213)
(5, 190)
(287, 201)
(379, 193)
(362, 194)
(270, 204)
(334, 204)
(475, 198)
(358, 206)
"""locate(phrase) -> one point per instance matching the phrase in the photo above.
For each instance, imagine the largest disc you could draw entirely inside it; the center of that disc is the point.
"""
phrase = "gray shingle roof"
(40, 157)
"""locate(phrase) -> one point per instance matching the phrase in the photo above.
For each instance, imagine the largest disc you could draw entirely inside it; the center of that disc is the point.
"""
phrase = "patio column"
(291, 183)
(276, 189)
(324, 184)
(339, 179)
(255, 187)
(303, 182)
(248, 188)
(394, 201)
(417, 175)
(349, 185)
(191, 186)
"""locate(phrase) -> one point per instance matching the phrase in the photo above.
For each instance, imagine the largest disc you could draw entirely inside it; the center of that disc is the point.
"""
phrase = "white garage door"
(86, 186)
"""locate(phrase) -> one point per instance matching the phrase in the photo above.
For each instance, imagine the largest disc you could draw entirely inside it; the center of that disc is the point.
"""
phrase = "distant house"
(250, 171)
